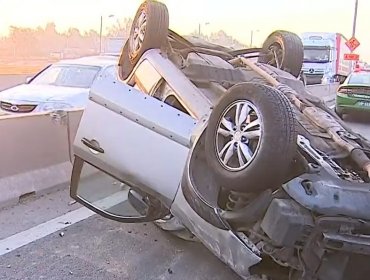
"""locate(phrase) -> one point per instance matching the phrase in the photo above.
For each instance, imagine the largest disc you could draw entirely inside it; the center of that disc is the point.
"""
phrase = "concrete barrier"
(7, 81)
(325, 92)
(35, 154)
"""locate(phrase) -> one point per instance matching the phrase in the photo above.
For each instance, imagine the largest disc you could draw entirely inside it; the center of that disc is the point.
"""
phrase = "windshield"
(316, 55)
(360, 79)
(81, 76)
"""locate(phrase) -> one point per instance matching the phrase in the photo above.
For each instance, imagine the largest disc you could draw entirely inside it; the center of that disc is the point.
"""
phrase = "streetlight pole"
(199, 28)
(355, 19)
(101, 32)
(252, 33)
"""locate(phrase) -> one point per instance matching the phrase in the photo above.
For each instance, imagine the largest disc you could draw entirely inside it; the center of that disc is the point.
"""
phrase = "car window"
(146, 76)
(81, 76)
(174, 102)
(360, 79)
(318, 54)
(110, 71)
(166, 94)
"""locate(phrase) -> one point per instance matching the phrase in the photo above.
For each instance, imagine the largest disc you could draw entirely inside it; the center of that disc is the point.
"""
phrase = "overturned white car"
(205, 140)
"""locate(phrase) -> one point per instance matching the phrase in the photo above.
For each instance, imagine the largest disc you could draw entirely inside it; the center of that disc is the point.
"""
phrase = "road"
(51, 238)
(95, 248)
(360, 124)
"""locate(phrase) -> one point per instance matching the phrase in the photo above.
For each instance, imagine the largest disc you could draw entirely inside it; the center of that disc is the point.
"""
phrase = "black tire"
(270, 165)
(124, 66)
(342, 79)
(339, 112)
(291, 47)
(156, 31)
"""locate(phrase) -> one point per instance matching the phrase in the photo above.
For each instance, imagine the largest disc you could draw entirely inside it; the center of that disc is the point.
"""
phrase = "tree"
(120, 28)
(24, 41)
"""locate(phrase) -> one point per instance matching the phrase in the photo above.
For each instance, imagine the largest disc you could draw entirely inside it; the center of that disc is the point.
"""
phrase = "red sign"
(352, 44)
(351, 56)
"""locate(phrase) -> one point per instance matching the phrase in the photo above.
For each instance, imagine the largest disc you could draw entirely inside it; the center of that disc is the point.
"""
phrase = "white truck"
(324, 57)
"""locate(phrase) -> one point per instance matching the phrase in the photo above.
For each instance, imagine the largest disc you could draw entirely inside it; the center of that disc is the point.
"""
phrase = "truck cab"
(324, 57)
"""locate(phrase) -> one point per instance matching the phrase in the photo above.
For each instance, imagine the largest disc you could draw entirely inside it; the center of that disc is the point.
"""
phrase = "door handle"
(92, 144)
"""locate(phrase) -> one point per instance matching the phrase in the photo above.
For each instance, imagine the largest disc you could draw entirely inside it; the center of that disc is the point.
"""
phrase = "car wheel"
(251, 138)
(149, 29)
(342, 79)
(339, 112)
(124, 65)
(283, 50)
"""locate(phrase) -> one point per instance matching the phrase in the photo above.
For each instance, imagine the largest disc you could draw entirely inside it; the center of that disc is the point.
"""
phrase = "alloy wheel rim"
(138, 34)
(276, 53)
(238, 135)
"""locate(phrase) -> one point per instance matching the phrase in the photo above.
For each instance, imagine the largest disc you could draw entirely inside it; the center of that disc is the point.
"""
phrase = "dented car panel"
(224, 243)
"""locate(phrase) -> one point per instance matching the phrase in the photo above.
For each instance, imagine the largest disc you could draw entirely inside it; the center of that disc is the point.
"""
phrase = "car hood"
(40, 93)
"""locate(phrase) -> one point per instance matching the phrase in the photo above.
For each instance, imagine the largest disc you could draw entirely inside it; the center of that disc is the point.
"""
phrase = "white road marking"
(25, 237)
(28, 236)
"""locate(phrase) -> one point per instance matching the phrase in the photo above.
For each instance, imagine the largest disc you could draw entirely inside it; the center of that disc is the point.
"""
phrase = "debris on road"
(72, 202)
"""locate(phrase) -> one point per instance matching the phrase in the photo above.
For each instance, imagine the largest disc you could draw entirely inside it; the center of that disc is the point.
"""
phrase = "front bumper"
(313, 79)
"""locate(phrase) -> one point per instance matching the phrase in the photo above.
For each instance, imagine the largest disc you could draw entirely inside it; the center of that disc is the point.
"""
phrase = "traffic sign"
(351, 56)
(352, 44)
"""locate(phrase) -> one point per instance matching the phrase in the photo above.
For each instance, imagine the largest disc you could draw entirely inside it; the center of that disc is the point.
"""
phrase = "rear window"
(360, 79)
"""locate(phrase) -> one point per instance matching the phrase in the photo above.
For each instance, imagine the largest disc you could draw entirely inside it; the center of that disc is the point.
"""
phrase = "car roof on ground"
(97, 60)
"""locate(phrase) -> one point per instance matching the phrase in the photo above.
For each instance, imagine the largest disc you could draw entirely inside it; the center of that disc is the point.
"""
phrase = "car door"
(130, 151)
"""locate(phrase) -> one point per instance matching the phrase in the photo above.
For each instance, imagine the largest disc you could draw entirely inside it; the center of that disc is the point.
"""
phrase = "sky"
(236, 17)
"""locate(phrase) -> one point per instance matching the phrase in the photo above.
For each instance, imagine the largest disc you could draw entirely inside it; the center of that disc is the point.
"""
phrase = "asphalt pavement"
(96, 248)
(7, 81)
(359, 123)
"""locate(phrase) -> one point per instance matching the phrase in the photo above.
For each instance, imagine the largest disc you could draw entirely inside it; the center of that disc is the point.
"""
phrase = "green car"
(354, 94)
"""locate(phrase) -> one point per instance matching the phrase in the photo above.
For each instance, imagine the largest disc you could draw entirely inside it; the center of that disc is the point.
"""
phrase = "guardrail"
(35, 153)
